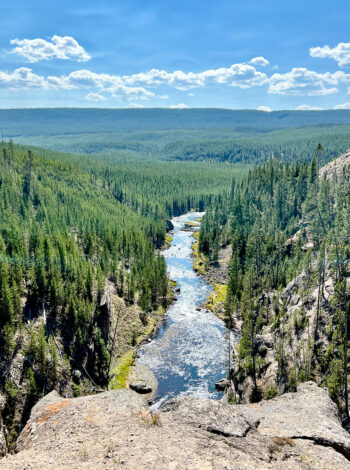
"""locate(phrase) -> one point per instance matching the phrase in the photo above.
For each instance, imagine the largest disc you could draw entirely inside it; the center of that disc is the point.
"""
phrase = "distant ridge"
(53, 121)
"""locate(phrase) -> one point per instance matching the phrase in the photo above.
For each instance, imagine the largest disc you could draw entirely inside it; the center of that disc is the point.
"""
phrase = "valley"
(160, 270)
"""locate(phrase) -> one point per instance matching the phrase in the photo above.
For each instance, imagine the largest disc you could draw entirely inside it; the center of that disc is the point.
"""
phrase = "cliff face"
(284, 348)
(116, 430)
(336, 167)
(123, 326)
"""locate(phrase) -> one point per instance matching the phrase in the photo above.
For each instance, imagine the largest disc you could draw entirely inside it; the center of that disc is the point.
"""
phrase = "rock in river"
(140, 387)
(222, 384)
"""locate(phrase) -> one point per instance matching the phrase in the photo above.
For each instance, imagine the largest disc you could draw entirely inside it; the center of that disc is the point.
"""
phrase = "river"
(190, 351)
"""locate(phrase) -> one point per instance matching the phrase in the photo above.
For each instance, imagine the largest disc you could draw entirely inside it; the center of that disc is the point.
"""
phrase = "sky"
(237, 54)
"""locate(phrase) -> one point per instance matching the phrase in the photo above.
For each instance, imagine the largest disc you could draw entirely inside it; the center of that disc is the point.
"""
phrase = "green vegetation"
(167, 240)
(187, 135)
(63, 233)
(283, 221)
(121, 371)
(69, 224)
(200, 261)
(217, 300)
(72, 224)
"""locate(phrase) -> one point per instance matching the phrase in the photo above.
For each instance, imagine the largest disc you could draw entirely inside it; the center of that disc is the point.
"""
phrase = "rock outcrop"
(308, 414)
(293, 333)
(116, 430)
(336, 167)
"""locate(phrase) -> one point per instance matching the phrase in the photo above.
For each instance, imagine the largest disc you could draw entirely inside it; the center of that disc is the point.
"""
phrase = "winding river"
(190, 351)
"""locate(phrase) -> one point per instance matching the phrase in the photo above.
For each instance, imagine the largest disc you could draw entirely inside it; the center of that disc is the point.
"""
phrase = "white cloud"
(307, 107)
(340, 53)
(112, 84)
(59, 47)
(94, 97)
(259, 61)
(301, 81)
(136, 105)
(298, 81)
(240, 75)
(264, 108)
(25, 78)
(22, 78)
(342, 106)
(155, 77)
(178, 106)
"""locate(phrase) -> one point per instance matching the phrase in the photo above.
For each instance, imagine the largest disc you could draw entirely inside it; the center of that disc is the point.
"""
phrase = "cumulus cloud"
(342, 106)
(22, 78)
(25, 78)
(94, 97)
(240, 75)
(264, 108)
(340, 53)
(301, 81)
(112, 84)
(178, 106)
(140, 86)
(155, 77)
(259, 61)
(307, 107)
(58, 47)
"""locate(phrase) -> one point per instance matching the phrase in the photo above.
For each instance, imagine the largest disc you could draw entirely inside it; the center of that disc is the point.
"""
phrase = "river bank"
(217, 275)
(189, 353)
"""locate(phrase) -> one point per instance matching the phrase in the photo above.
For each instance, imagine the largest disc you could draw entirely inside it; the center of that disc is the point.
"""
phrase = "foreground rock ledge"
(115, 430)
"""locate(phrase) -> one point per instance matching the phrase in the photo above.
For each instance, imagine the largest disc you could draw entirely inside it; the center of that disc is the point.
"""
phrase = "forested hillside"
(79, 236)
(82, 280)
(288, 276)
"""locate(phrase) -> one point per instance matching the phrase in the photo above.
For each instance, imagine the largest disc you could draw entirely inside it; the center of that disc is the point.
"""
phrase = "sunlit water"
(190, 351)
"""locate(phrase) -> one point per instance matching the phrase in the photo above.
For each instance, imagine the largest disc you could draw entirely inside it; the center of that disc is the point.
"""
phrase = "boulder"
(222, 384)
(140, 387)
(142, 380)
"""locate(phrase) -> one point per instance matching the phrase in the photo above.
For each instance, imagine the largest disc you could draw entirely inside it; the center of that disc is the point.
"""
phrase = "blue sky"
(268, 54)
